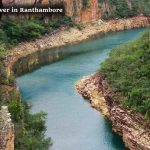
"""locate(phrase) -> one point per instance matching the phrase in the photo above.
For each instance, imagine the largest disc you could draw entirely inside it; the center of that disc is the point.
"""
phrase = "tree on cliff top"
(128, 72)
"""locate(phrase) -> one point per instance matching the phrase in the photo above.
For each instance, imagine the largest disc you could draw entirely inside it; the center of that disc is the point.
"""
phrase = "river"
(71, 122)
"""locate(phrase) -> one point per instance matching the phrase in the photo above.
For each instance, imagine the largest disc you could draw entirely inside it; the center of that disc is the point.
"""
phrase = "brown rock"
(124, 122)
(6, 130)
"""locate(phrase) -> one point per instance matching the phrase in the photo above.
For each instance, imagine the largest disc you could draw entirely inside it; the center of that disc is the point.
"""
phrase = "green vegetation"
(3, 74)
(30, 128)
(14, 31)
(122, 8)
(85, 3)
(128, 72)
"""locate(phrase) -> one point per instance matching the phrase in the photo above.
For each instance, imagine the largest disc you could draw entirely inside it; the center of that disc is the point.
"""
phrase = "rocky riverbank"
(30, 54)
(133, 128)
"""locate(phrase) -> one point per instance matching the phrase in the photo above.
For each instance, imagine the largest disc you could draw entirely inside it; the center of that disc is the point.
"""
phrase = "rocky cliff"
(131, 126)
(6, 130)
(91, 10)
(73, 8)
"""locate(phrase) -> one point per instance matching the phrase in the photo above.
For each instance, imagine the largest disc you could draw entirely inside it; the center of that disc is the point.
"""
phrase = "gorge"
(71, 122)
(31, 55)
(31, 41)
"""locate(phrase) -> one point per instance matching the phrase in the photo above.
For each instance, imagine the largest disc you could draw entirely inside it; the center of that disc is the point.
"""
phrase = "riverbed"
(71, 122)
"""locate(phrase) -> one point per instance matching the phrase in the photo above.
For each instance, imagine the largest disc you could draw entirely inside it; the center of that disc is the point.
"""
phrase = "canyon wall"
(84, 11)
(73, 8)
(81, 13)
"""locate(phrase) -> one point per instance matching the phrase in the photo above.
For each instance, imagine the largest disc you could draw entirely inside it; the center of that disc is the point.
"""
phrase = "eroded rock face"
(131, 126)
(92, 91)
(94, 9)
(6, 130)
(81, 14)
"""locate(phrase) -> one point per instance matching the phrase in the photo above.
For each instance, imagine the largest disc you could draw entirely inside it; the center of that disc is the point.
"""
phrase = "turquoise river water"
(71, 122)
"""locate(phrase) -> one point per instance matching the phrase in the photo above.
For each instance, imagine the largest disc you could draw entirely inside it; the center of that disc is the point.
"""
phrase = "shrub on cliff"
(31, 29)
(3, 74)
(56, 23)
(14, 31)
(17, 31)
(3, 36)
(2, 50)
(11, 29)
(128, 72)
(30, 128)
(124, 8)
(85, 3)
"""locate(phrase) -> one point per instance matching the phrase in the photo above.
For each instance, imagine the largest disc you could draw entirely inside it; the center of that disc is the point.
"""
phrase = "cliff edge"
(132, 127)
